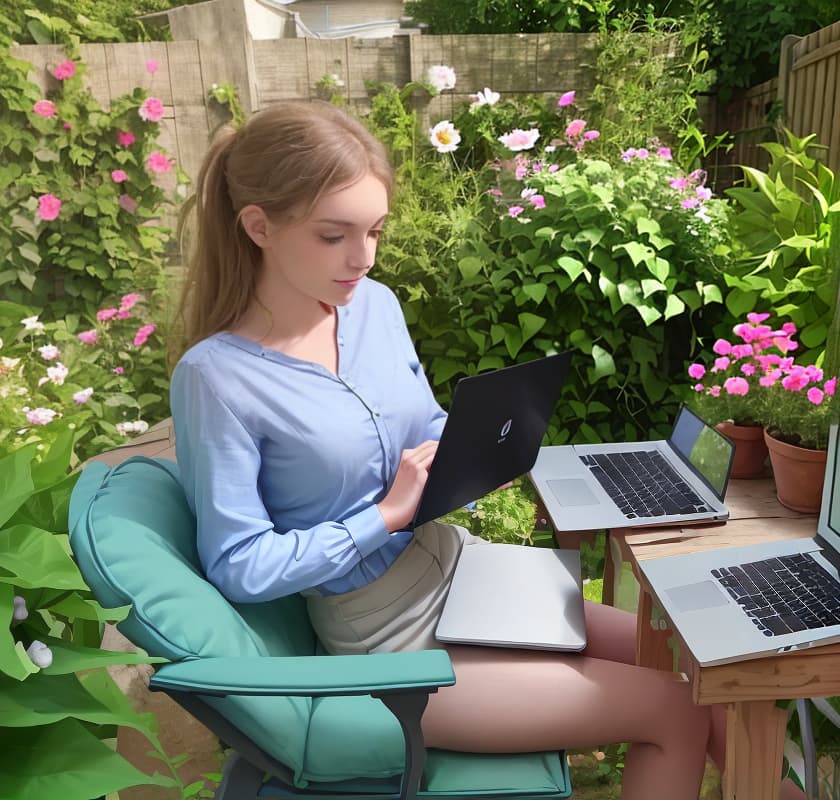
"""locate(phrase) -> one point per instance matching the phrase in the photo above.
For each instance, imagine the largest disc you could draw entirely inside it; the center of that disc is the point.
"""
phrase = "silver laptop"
(511, 595)
(678, 480)
(746, 602)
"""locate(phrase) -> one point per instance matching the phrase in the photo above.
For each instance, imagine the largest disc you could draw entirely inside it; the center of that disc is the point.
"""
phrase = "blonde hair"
(283, 160)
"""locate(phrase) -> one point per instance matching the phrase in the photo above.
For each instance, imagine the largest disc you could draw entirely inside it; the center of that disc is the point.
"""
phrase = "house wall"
(322, 15)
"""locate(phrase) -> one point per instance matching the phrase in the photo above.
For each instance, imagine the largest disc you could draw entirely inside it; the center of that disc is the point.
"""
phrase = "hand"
(398, 506)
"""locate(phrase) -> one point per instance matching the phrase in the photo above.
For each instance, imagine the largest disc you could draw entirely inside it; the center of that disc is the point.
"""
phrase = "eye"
(331, 239)
(375, 234)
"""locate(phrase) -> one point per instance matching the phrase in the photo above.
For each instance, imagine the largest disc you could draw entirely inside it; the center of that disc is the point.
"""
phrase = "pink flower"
(698, 387)
(158, 162)
(515, 211)
(815, 395)
(126, 138)
(519, 139)
(690, 202)
(49, 207)
(715, 391)
(830, 386)
(49, 352)
(678, 183)
(784, 343)
(748, 369)
(755, 319)
(127, 203)
(736, 386)
(83, 395)
(553, 167)
(151, 109)
(789, 328)
(118, 370)
(151, 66)
(722, 347)
(143, 333)
(740, 351)
(770, 378)
(575, 128)
(537, 200)
(521, 171)
(89, 337)
(66, 69)
(67, 126)
(123, 313)
(664, 153)
(590, 135)
(628, 154)
(795, 380)
(721, 364)
(814, 373)
(45, 109)
(703, 192)
(566, 99)
(40, 416)
(696, 371)
(128, 301)
(118, 176)
(103, 315)
(58, 373)
(642, 153)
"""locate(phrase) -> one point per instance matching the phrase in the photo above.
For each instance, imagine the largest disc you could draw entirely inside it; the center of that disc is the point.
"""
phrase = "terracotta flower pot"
(798, 473)
(750, 449)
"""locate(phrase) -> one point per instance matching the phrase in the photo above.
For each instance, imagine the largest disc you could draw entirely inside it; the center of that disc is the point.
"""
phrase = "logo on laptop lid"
(505, 430)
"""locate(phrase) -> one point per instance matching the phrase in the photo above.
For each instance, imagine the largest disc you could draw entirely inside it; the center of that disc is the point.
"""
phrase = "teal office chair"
(300, 723)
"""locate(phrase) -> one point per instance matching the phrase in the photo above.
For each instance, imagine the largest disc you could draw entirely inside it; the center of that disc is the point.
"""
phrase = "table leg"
(755, 739)
(652, 648)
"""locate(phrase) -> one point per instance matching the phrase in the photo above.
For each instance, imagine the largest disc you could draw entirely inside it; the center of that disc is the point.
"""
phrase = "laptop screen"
(707, 451)
(829, 524)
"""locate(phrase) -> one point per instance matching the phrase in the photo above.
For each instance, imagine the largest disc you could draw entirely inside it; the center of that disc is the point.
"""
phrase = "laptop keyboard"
(643, 484)
(785, 594)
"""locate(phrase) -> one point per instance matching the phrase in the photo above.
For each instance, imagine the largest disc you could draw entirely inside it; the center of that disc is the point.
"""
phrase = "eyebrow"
(348, 224)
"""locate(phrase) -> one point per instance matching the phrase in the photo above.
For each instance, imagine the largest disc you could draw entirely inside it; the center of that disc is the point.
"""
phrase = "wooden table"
(755, 726)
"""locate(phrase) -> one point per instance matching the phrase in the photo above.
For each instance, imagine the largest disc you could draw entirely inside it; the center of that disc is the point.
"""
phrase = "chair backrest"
(134, 538)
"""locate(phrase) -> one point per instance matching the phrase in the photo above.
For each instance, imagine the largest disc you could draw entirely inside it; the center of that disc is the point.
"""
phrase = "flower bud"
(20, 612)
(40, 654)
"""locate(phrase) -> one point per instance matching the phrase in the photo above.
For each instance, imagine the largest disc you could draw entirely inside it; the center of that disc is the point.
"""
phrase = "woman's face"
(324, 256)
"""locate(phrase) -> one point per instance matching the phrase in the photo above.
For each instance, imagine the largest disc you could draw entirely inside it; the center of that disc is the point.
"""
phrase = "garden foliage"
(80, 204)
(57, 701)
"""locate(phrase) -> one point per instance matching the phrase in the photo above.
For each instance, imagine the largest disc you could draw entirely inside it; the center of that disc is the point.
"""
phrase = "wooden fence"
(807, 90)
(804, 98)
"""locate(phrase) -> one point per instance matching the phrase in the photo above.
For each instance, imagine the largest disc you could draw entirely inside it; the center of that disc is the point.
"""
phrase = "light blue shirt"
(283, 462)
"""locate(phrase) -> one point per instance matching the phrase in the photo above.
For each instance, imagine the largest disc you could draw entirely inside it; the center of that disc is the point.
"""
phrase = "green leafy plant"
(58, 704)
(506, 515)
(227, 96)
(783, 222)
(81, 191)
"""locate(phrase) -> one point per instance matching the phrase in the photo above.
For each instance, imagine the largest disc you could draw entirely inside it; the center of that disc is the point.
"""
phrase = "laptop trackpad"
(695, 596)
(572, 492)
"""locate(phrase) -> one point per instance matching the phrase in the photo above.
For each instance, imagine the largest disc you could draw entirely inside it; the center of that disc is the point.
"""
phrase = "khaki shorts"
(400, 609)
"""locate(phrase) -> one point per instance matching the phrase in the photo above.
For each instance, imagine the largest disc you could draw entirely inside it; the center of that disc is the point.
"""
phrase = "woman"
(305, 429)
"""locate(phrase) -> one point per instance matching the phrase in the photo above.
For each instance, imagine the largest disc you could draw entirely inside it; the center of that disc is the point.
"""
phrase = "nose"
(362, 255)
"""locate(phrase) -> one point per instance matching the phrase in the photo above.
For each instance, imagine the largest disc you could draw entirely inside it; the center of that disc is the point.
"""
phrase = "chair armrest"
(309, 676)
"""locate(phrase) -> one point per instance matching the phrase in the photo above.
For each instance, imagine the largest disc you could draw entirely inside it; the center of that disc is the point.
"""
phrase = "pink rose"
(44, 108)
(722, 347)
(575, 128)
(721, 364)
(126, 138)
(89, 337)
(566, 99)
(830, 386)
(158, 162)
(106, 314)
(143, 333)
(66, 69)
(696, 371)
(118, 176)
(815, 395)
(151, 109)
(736, 386)
(128, 301)
(49, 207)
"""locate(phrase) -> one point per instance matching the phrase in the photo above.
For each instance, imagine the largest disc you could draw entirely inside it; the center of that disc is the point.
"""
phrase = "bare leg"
(517, 700)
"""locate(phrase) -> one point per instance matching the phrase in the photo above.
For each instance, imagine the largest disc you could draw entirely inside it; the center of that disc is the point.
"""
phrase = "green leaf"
(604, 364)
(534, 291)
(470, 266)
(647, 225)
(637, 251)
(530, 325)
(650, 286)
(35, 558)
(739, 302)
(711, 293)
(814, 335)
(69, 657)
(573, 267)
(15, 480)
(673, 306)
(29, 251)
(75, 606)
(65, 760)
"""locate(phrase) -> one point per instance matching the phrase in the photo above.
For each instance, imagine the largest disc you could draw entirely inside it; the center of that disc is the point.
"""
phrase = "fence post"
(785, 72)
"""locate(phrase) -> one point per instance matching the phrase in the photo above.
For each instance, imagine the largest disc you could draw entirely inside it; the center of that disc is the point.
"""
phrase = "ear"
(255, 223)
